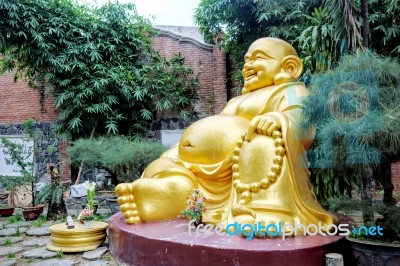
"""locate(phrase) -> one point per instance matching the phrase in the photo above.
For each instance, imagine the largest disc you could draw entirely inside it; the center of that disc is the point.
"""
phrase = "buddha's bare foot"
(127, 203)
(152, 199)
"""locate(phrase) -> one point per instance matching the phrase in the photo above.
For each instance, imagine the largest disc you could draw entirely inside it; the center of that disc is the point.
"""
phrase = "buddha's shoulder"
(297, 88)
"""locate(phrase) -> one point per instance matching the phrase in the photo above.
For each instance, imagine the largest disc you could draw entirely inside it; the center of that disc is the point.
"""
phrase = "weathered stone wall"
(48, 148)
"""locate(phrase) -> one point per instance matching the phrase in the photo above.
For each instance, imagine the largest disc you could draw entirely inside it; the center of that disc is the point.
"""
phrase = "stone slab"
(36, 242)
(13, 240)
(95, 263)
(169, 243)
(8, 262)
(54, 262)
(41, 231)
(39, 253)
(78, 190)
(20, 224)
(5, 250)
(11, 231)
(94, 254)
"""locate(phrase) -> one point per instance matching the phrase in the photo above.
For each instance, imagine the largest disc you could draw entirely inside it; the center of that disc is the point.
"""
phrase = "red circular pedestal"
(169, 243)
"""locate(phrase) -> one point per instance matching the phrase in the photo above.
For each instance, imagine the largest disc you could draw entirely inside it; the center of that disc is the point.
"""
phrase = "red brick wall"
(18, 102)
(396, 178)
(64, 165)
(207, 62)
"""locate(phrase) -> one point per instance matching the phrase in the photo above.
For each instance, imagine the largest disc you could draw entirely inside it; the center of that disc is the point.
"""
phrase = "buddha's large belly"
(211, 139)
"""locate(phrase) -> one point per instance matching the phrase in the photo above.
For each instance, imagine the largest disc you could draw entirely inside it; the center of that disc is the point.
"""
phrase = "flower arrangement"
(195, 207)
(87, 213)
(90, 189)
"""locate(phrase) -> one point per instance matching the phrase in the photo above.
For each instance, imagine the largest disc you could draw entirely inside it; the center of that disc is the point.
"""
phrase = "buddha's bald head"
(270, 61)
(276, 47)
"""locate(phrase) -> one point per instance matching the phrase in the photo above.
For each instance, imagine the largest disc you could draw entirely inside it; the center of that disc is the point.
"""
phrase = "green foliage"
(11, 220)
(19, 217)
(30, 260)
(60, 254)
(7, 242)
(51, 193)
(10, 255)
(100, 217)
(17, 154)
(236, 24)
(123, 157)
(107, 258)
(99, 64)
(40, 221)
(385, 26)
(319, 47)
(355, 111)
(17, 232)
(390, 224)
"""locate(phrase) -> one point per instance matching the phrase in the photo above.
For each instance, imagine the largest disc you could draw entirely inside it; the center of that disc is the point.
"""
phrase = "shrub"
(124, 158)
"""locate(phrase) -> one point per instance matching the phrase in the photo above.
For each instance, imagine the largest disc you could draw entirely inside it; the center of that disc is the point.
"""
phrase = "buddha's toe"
(124, 189)
(130, 212)
(126, 201)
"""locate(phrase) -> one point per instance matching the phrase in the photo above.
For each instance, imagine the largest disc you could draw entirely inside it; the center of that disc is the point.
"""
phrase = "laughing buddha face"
(270, 61)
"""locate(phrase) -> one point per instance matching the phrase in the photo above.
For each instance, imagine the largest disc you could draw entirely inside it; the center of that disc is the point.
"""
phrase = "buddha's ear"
(292, 64)
(292, 68)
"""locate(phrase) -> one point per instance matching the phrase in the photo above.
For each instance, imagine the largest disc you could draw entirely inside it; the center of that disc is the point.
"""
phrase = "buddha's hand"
(264, 125)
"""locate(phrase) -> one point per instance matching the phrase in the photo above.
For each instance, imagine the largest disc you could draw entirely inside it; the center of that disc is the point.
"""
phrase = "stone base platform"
(77, 239)
(169, 243)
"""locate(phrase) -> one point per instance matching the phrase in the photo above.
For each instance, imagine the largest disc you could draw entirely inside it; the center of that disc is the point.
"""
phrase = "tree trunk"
(365, 28)
(366, 195)
(81, 166)
(384, 176)
(55, 211)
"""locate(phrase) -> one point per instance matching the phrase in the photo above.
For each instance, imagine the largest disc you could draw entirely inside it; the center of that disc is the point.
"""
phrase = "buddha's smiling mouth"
(249, 75)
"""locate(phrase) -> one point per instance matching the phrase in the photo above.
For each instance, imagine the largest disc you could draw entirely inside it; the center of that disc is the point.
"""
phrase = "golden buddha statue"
(249, 161)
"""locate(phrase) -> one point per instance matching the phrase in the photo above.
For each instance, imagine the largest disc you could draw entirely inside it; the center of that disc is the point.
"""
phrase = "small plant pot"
(41, 207)
(87, 224)
(31, 213)
(6, 212)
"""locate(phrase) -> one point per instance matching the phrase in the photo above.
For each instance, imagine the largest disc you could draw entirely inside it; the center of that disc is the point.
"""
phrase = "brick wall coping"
(182, 38)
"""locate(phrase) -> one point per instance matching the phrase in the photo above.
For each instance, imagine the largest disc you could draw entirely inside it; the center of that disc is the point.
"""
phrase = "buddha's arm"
(231, 106)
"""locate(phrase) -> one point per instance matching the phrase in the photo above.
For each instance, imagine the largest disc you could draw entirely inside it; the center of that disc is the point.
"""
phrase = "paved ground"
(24, 243)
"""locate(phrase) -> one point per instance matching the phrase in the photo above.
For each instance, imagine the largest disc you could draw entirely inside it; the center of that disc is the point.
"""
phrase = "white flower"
(90, 185)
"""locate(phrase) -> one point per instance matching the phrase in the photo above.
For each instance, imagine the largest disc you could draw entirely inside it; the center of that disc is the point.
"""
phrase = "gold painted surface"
(77, 239)
(249, 161)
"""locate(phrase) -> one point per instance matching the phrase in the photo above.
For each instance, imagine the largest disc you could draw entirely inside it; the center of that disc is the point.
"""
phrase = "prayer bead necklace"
(246, 190)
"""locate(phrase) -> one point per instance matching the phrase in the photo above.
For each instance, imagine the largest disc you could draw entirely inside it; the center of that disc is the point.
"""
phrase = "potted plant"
(87, 214)
(86, 217)
(52, 193)
(6, 210)
(195, 208)
(25, 178)
(355, 111)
